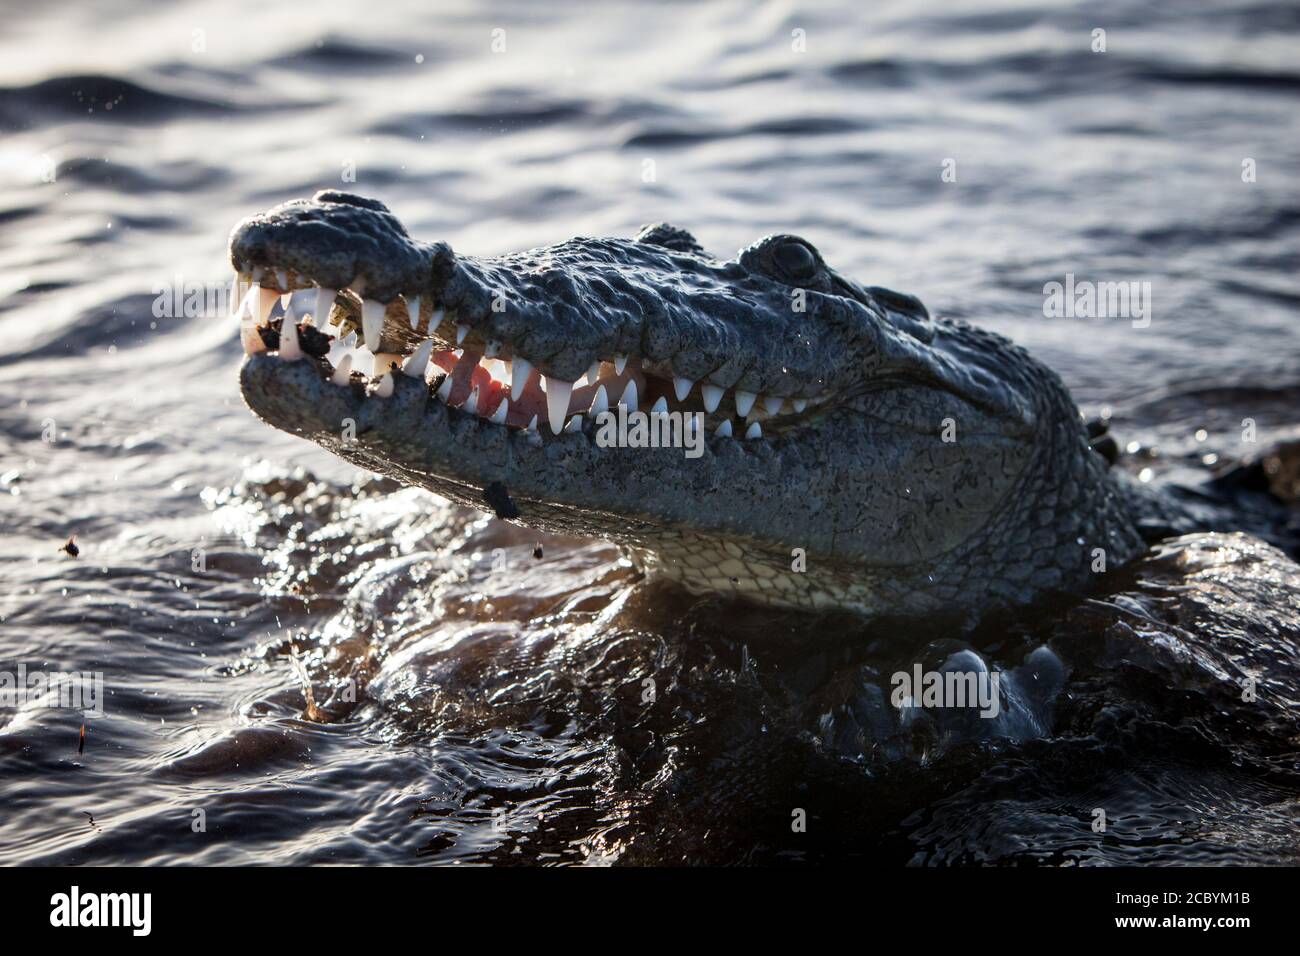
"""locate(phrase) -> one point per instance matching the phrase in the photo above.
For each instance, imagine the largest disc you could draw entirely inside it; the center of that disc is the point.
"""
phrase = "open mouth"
(360, 343)
(803, 410)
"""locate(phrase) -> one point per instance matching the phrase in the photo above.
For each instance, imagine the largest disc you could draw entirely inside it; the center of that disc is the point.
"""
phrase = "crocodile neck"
(1069, 520)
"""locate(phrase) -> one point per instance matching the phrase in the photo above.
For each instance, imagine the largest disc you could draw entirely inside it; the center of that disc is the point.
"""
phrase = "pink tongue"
(466, 374)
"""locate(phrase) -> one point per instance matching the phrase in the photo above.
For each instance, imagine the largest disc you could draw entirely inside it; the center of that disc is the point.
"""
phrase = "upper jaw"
(574, 315)
(562, 323)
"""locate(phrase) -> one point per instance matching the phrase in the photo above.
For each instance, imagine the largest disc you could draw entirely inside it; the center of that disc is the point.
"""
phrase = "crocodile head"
(804, 440)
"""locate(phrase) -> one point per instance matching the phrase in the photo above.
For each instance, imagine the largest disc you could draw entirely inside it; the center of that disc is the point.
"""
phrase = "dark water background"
(499, 712)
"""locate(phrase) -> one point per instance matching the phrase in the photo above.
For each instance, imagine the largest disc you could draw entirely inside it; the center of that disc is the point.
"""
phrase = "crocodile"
(854, 452)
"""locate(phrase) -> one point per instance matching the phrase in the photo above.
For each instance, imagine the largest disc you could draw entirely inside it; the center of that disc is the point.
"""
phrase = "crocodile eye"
(796, 260)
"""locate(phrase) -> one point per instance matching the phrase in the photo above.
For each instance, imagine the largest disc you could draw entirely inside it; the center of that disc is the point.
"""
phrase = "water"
(469, 713)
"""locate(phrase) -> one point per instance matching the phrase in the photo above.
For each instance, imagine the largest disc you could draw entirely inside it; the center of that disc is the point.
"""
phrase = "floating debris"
(311, 340)
(498, 498)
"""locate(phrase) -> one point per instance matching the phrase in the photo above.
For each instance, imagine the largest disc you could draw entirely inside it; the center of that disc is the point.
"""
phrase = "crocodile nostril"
(339, 197)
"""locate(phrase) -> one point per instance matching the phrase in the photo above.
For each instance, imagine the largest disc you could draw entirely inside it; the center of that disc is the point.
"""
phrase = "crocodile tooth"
(265, 303)
(628, 400)
(385, 386)
(724, 430)
(600, 402)
(799, 404)
(343, 374)
(247, 305)
(712, 397)
(372, 322)
(520, 369)
(772, 404)
(493, 349)
(499, 416)
(258, 272)
(285, 299)
(471, 404)
(282, 278)
(290, 347)
(557, 401)
(435, 320)
(574, 426)
(413, 310)
(324, 302)
(532, 426)
(744, 402)
(361, 359)
(682, 387)
(660, 407)
(620, 363)
(418, 360)
(462, 330)
(593, 373)
(444, 390)
(755, 430)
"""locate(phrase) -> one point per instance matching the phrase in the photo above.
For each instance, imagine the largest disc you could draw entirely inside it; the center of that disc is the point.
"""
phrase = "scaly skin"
(926, 467)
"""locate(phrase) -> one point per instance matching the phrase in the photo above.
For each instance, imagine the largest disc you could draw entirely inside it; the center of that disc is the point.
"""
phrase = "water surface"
(487, 706)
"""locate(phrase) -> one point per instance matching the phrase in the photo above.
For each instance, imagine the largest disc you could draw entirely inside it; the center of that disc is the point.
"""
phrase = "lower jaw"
(420, 442)
(410, 435)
